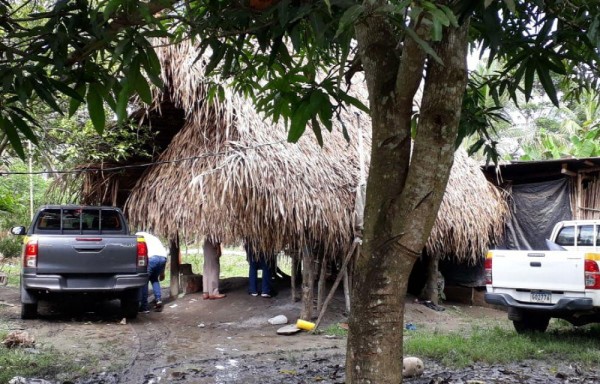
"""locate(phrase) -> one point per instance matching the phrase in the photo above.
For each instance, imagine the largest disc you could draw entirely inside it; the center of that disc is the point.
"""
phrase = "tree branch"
(123, 21)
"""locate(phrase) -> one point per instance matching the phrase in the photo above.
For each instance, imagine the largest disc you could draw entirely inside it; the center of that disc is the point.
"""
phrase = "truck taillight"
(488, 268)
(31, 254)
(592, 274)
(142, 252)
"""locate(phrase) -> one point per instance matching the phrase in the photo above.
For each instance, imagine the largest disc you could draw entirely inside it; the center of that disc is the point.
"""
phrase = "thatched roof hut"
(230, 174)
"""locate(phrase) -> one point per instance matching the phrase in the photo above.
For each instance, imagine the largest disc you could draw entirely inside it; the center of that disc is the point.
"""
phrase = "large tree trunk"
(402, 203)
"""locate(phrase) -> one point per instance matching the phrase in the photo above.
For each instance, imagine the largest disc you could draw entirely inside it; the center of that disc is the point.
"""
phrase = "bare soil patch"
(230, 340)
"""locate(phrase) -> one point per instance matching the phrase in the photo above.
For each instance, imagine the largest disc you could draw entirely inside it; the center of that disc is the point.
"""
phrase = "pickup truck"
(81, 250)
(561, 282)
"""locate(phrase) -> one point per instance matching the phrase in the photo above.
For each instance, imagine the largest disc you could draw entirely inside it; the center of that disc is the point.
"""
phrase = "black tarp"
(535, 208)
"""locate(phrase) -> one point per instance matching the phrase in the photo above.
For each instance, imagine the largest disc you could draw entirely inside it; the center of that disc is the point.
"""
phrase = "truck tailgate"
(86, 254)
(551, 270)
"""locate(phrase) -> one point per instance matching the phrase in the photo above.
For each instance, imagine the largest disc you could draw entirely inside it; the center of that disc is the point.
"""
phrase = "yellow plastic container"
(306, 325)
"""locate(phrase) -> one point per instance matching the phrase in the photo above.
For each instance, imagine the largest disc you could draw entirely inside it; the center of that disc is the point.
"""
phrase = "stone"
(412, 366)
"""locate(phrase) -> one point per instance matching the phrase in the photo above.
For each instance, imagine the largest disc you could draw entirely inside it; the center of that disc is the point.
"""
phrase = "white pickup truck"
(562, 282)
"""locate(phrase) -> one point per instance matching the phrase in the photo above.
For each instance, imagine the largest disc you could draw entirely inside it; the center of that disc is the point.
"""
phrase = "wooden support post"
(347, 285)
(347, 259)
(430, 290)
(174, 256)
(294, 276)
(308, 280)
(321, 285)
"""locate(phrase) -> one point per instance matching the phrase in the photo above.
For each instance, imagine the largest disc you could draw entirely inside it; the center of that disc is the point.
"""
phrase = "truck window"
(566, 236)
(49, 219)
(110, 221)
(76, 219)
(586, 236)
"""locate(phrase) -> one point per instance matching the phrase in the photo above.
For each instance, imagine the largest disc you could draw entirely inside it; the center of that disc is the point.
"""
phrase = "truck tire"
(29, 310)
(130, 304)
(531, 323)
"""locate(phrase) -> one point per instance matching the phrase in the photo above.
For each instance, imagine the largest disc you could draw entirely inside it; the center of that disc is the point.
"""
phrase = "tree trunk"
(402, 203)
(430, 290)
(308, 283)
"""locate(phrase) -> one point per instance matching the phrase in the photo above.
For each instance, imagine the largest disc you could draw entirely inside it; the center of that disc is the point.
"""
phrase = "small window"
(111, 221)
(49, 219)
(566, 236)
(586, 236)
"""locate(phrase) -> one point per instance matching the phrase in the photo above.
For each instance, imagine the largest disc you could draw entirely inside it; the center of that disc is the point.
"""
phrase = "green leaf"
(346, 98)
(438, 14)
(349, 18)
(65, 89)
(216, 57)
(437, 30)
(450, 15)
(546, 80)
(511, 5)
(328, 3)
(529, 75)
(13, 136)
(23, 127)
(143, 89)
(423, 44)
(42, 91)
(110, 8)
(95, 107)
(123, 100)
(317, 130)
(75, 103)
(299, 120)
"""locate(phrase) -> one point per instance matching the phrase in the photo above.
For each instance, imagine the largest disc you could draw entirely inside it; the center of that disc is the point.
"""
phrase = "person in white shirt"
(157, 260)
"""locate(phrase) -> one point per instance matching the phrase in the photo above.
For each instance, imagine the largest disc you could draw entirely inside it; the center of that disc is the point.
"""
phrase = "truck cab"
(577, 235)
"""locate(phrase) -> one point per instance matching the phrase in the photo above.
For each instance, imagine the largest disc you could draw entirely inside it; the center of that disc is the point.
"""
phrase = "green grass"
(233, 262)
(498, 345)
(43, 363)
(335, 330)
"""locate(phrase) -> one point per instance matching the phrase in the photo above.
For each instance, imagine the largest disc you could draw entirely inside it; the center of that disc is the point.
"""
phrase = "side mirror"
(18, 231)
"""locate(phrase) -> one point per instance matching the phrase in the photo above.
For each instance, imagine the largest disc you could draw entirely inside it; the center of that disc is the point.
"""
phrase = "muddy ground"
(230, 341)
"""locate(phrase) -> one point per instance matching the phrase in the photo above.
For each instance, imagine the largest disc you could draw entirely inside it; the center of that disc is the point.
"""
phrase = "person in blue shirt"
(157, 260)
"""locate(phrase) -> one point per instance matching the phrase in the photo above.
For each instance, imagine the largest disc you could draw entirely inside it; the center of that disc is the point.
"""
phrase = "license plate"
(541, 297)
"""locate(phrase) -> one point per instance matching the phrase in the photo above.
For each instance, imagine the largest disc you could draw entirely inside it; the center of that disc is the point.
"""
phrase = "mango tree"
(293, 58)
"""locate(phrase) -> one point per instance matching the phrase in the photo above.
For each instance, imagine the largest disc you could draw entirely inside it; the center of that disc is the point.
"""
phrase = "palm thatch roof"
(240, 179)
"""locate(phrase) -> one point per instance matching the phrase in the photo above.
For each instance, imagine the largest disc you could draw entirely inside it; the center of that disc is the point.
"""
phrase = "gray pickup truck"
(81, 250)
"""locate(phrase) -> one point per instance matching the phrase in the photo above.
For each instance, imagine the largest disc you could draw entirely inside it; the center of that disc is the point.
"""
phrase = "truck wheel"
(531, 323)
(29, 310)
(130, 305)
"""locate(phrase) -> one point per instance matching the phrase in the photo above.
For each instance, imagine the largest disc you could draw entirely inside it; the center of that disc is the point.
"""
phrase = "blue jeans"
(255, 265)
(156, 266)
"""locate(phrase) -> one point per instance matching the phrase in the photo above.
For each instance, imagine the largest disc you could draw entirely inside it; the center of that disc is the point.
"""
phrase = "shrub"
(11, 246)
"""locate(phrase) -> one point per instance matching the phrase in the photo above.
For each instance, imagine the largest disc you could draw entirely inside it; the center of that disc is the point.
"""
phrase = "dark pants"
(255, 265)
(156, 266)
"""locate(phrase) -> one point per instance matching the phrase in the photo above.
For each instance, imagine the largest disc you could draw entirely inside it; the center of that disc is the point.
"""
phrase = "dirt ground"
(228, 340)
